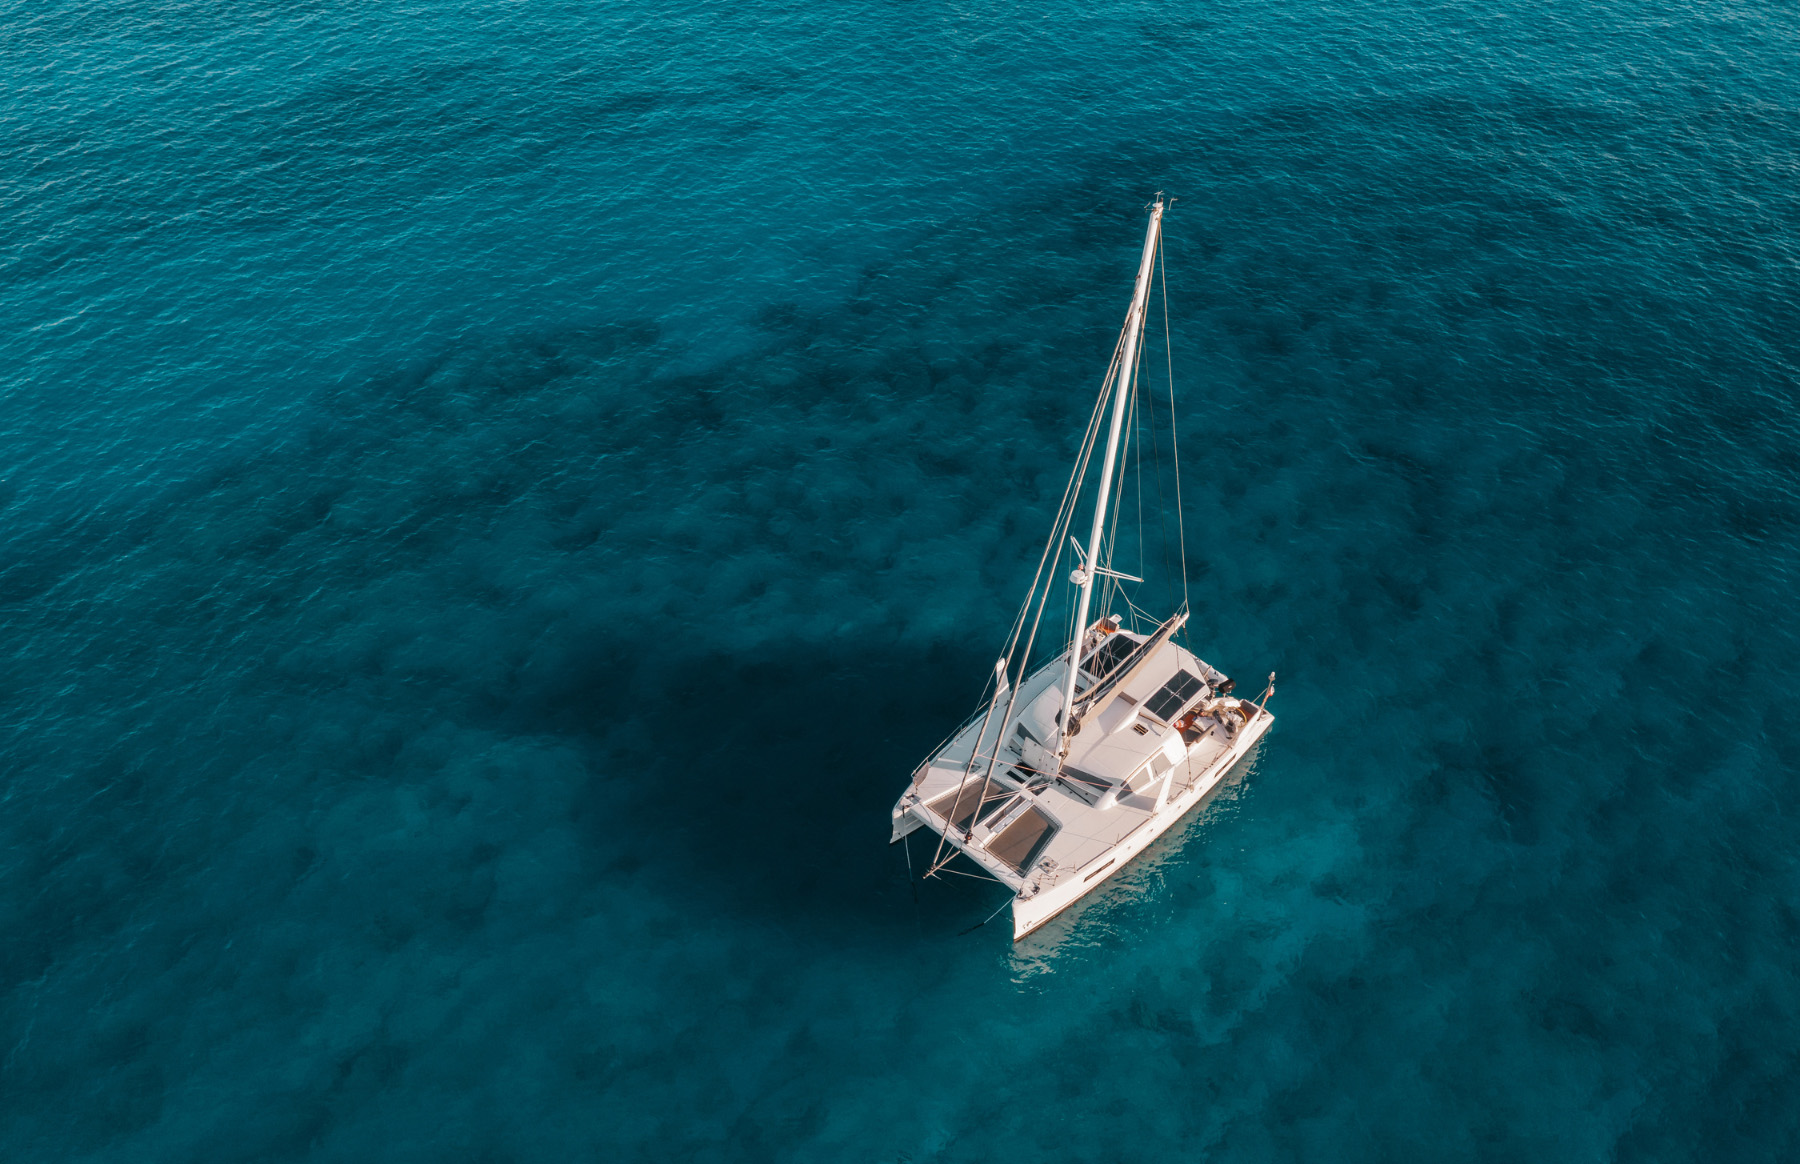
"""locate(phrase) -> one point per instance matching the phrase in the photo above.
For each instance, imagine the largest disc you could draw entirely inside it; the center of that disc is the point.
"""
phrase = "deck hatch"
(1177, 691)
(1097, 783)
(1085, 786)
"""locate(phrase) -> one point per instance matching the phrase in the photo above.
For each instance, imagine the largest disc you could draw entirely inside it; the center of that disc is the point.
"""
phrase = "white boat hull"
(1031, 912)
(1045, 889)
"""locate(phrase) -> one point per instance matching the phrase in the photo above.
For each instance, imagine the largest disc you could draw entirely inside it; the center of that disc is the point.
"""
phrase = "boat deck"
(1130, 770)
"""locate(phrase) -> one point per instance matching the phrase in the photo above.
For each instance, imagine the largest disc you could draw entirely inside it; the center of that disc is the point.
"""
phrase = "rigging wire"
(1162, 524)
(913, 884)
(1174, 430)
(976, 876)
(1136, 610)
(1052, 553)
(1111, 539)
(1109, 587)
(1137, 419)
(984, 921)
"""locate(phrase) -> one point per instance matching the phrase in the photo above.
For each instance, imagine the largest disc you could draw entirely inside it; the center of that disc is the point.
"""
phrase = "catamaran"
(1071, 768)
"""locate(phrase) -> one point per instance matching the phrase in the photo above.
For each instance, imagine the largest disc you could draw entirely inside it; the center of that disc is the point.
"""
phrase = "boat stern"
(905, 821)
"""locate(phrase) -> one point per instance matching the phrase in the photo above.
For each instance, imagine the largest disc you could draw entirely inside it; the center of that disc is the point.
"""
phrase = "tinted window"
(1171, 695)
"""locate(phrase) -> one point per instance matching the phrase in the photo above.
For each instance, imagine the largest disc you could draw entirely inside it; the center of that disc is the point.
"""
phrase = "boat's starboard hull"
(1033, 911)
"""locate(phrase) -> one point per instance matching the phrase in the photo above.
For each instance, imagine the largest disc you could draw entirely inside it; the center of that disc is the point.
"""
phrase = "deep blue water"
(499, 495)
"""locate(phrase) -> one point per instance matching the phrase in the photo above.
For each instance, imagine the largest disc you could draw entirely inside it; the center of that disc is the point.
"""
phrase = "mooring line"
(984, 921)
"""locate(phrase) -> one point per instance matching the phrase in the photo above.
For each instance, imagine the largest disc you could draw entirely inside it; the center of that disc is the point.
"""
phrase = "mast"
(1084, 573)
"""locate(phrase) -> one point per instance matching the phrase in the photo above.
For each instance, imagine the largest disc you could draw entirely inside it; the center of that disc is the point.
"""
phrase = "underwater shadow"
(759, 784)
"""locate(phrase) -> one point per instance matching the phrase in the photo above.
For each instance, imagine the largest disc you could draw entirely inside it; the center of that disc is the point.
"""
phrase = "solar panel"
(1107, 657)
(1171, 695)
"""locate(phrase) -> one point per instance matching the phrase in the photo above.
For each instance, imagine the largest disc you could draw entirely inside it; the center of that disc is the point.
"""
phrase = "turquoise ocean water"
(497, 497)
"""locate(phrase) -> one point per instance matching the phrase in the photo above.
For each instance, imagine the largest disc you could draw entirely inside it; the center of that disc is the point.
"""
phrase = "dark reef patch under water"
(495, 511)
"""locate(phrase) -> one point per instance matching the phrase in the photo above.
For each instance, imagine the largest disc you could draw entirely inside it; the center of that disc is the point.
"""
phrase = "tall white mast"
(1084, 574)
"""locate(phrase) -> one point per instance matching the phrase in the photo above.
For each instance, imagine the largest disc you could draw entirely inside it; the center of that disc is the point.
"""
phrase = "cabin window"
(1149, 774)
(1170, 697)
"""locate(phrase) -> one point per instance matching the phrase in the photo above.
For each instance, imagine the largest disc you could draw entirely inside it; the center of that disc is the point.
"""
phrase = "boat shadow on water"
(757, 784)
